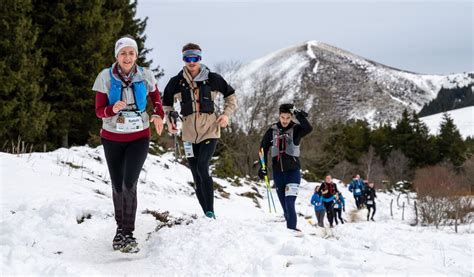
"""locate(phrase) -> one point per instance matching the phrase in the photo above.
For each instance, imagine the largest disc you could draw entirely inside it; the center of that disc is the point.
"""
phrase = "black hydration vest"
(205, 97)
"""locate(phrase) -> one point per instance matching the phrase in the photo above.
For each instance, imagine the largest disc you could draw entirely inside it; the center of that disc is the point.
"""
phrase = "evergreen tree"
(23, 114)
(403, 132)
(449, 99)
(348, 141)
(422, 147)
(356, 139)
(77, 38)
(469, 142)
(451, 146)
(381, 138)
(413, 139)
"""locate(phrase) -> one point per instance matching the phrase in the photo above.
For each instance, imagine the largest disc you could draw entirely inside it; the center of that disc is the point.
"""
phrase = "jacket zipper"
(195, 127)
(195, 113)
(281, 162)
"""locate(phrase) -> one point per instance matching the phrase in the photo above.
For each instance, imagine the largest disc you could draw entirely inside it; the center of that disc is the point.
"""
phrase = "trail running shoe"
(130, 245)
(211, 215)
(118, 241)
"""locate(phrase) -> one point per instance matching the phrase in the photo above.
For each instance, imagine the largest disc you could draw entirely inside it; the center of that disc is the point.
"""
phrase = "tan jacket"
(197, 126)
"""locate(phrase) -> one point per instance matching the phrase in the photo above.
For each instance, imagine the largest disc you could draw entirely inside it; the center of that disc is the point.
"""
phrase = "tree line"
(386, 153)
(449, 99)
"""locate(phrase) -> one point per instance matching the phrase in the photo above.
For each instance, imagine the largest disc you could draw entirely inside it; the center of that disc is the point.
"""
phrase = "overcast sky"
(433, 37)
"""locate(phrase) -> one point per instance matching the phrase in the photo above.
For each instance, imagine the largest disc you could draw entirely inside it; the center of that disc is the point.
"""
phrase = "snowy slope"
(337, 84)
(463, 118)
(43, 195)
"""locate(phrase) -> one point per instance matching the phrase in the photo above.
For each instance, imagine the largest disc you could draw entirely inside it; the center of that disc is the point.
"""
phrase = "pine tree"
(77, 38)
(23, 115)
(356, 140)
(413, 139)
(422, 148)
(451, 146)
(381, 138)
(403, 132)
(347, 141)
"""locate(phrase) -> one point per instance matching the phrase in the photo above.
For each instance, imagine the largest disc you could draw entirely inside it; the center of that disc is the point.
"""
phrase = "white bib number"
(188, 149)
(129, 121)
(357, 191)
(370, 202)
(291, 189)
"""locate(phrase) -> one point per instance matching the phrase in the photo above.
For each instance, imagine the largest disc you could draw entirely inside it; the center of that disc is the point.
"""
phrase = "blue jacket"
(362, 185)
(340, 203)
(317, 202)
(356, 187)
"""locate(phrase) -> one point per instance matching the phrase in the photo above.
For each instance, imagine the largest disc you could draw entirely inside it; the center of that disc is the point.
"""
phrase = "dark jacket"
(198, 109)
(286, 162)
(369, 194)
(331, 190)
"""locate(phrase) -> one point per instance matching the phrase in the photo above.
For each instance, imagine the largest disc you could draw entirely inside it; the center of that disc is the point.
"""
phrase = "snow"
(289, 66)
(463, 119)
(43, 195)
(286, 65)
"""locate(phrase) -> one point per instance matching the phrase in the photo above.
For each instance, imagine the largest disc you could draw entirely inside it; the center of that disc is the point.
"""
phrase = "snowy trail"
(42, 198)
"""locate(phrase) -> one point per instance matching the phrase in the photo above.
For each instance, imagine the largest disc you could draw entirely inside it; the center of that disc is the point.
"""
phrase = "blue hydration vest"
(139, 91)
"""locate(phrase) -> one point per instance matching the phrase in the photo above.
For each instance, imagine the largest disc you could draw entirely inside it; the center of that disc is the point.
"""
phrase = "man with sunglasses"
(195, 88)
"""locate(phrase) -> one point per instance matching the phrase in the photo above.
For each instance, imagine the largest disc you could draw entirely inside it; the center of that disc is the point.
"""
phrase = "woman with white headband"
(121, 98)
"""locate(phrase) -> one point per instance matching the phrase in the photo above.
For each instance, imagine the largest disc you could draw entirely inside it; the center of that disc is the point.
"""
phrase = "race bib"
(188, 149)
(291, 189)
(370, 202)
(129, 121)
(357, 191)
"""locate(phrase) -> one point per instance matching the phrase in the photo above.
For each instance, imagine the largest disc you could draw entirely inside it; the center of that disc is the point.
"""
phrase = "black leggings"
(329, 211)
(199, 165)
(368, 211)
(338, 214)
(358, 201)
(125, 161)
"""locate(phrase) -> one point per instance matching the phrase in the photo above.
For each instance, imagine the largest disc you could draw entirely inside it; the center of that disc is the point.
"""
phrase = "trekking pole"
(267, 182)
(173, 115)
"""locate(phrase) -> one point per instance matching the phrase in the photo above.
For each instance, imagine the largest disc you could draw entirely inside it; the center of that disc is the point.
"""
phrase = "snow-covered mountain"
(463, 119)
(57, 219)
(337, 84)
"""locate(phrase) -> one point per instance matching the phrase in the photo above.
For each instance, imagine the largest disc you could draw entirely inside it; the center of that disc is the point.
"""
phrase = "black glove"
(262, 173)
(344, 209)
(173, 117)
(301, 112)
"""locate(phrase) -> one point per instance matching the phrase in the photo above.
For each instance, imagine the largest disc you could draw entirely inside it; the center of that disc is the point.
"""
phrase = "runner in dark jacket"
(370, 196)
(329, 190)
(283, 138)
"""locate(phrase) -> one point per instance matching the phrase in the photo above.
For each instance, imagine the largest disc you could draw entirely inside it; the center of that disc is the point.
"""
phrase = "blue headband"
(190, 53)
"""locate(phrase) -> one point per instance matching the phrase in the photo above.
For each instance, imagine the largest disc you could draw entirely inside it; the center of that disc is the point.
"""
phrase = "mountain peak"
(340, 85)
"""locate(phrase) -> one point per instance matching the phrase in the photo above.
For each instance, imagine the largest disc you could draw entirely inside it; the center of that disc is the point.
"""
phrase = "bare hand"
(223, 120)
(118, 106)
(172, 127)
(158, 124)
